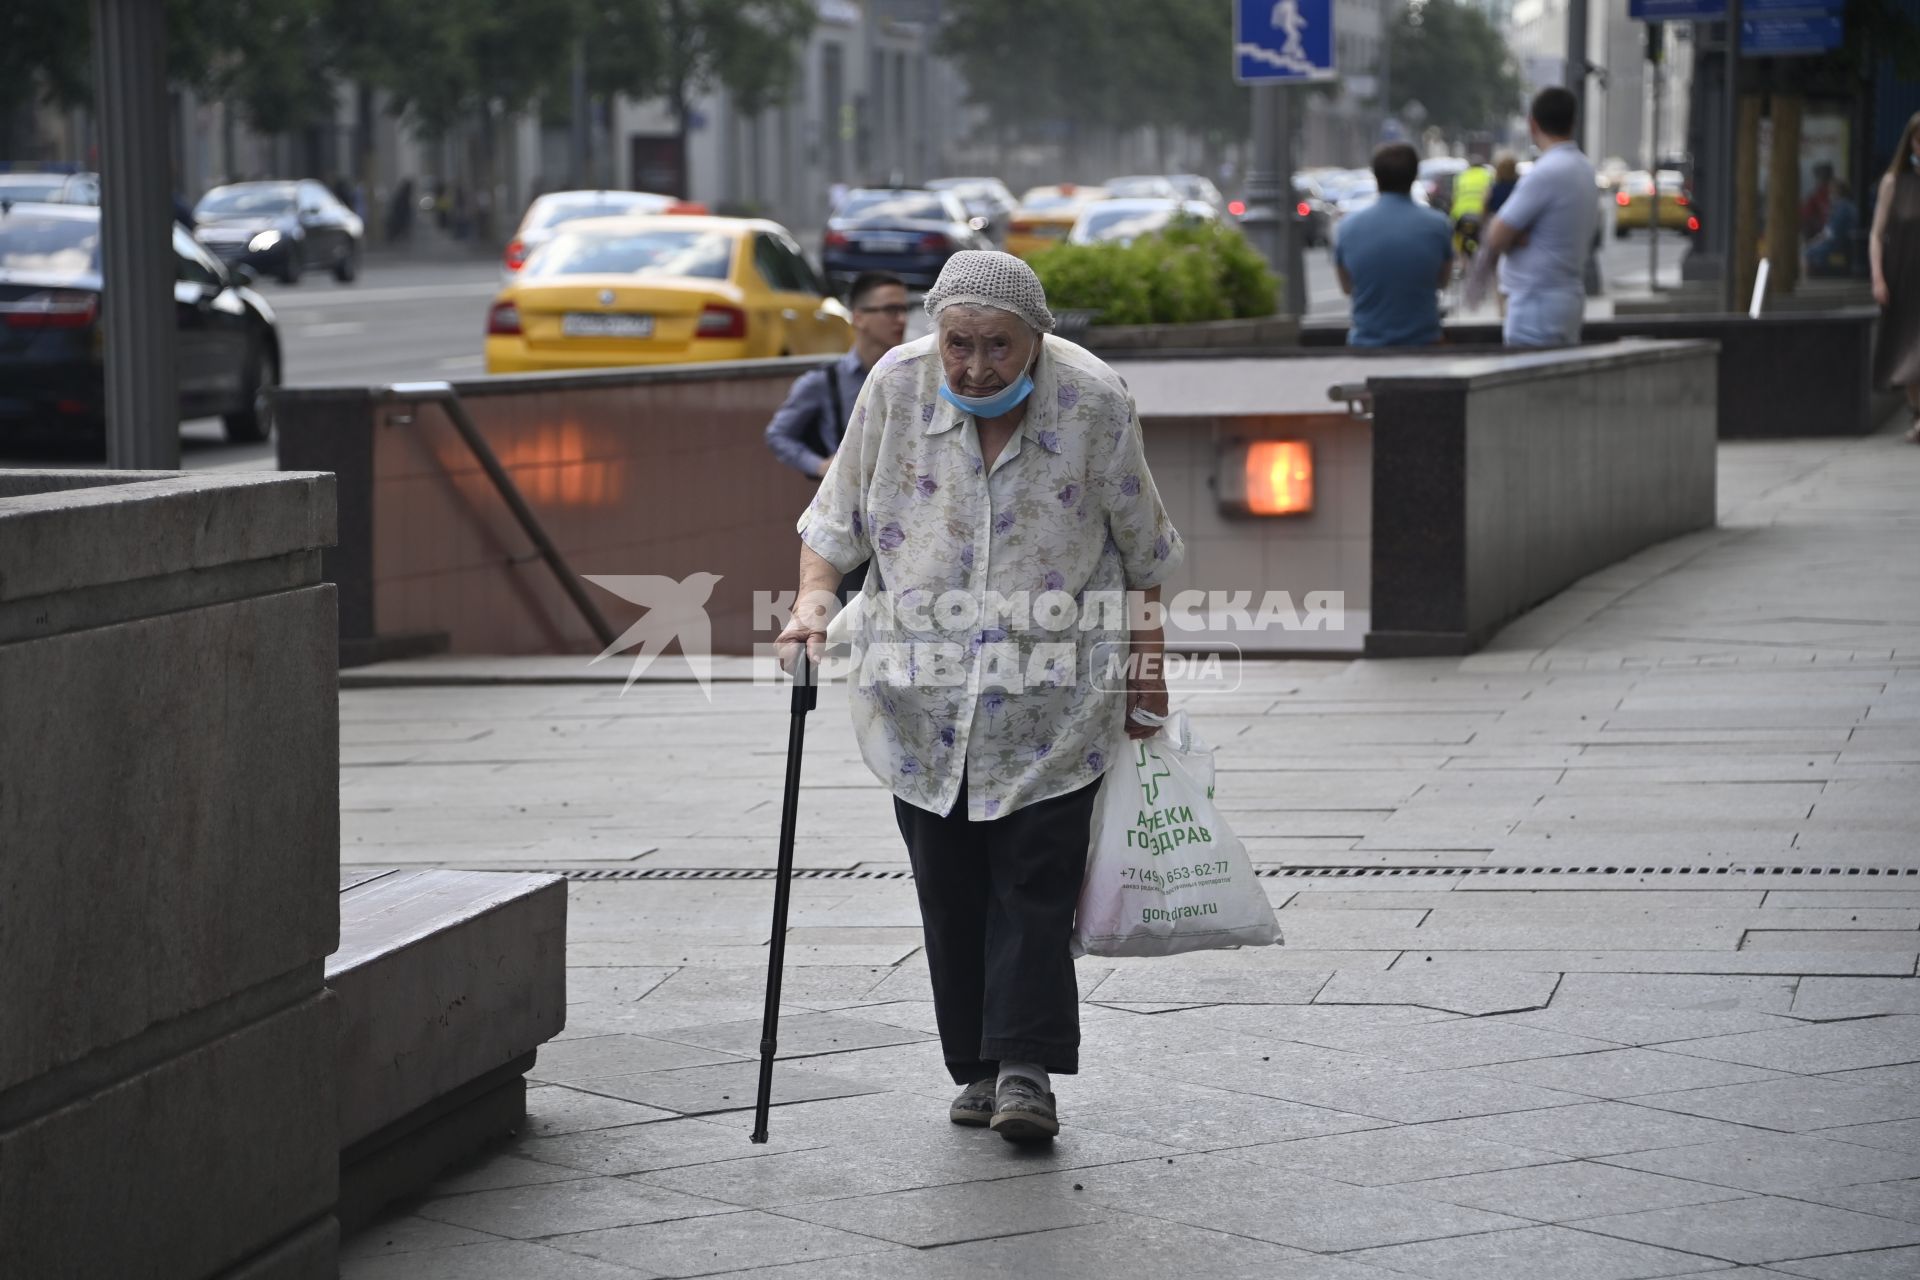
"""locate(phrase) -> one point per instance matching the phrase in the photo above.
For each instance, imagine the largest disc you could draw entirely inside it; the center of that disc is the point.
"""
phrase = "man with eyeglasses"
(806, 430)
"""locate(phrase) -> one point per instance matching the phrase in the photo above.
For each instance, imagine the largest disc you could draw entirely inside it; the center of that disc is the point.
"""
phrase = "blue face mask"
(991, 406)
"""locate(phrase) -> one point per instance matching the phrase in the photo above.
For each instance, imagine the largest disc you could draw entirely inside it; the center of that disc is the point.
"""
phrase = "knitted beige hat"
(989, 278)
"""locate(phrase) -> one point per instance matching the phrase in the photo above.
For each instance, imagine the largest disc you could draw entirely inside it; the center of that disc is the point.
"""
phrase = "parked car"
(1362, 190)
(1193, 186)
(1336, 184)
(1142, 187)
(910, 233)
(281, 229)
(663, 289)
(988, 203)
(1633, 203)
(50, 188)
(548, 213)
(1046, 215)
(1124, 221)
(227, 353)
(1312, 211)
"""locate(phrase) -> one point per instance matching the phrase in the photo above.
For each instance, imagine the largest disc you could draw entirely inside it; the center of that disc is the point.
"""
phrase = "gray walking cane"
(804, 696)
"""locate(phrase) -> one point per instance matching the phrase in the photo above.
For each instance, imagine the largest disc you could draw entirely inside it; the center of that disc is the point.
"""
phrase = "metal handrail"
(443, 394)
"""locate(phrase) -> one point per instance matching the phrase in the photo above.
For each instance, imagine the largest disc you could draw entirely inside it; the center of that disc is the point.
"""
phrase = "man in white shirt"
(1544, 232)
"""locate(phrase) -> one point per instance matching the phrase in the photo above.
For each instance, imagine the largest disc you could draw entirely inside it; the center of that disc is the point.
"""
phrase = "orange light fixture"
(1268, 478)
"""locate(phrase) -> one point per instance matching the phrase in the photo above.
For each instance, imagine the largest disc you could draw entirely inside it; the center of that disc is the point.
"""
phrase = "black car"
(988, 203)
(1312, 211)
(908, 233)
(281, 229)
(227, 352)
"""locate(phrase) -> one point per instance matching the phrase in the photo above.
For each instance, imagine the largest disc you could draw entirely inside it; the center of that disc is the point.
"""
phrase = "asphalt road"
(417, 320)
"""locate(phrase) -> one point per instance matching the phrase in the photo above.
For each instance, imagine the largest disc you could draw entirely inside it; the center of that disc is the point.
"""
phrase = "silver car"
(547, 213)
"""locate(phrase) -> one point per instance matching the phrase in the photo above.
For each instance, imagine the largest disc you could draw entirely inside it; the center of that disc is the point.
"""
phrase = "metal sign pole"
(1577, 61)
(1293, 266)
(1656, 40)
(1262, 189)
(1729, 215)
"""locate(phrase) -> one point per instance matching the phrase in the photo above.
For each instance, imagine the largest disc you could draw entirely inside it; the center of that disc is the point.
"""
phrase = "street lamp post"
(136, 230)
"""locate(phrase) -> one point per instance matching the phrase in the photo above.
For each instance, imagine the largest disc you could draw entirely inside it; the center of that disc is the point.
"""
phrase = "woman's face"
(983, 350)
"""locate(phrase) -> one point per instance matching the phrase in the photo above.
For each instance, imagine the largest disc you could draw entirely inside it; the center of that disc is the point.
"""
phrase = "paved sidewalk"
(1600, 963)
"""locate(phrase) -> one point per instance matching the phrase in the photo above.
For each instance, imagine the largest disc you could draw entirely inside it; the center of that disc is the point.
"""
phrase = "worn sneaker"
(1024, 1112)
(975, 1105)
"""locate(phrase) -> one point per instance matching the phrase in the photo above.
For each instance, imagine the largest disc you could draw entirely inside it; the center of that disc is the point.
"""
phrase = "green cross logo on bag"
(1151, 771)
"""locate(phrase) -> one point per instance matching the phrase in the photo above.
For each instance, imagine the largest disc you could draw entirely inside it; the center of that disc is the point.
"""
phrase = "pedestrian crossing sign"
(1280, 41)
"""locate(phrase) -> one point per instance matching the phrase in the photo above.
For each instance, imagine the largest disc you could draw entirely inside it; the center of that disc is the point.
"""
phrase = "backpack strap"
(834, 406)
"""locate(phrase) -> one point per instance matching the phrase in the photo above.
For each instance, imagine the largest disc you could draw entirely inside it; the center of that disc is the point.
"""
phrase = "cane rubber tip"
(757, 1137)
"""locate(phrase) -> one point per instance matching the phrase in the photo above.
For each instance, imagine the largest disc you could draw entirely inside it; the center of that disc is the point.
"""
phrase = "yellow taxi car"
(1046, 214)
(1633, 203)
(663, 289)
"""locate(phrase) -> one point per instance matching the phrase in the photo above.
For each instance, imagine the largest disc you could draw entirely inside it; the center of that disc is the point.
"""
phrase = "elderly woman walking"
(986, 463)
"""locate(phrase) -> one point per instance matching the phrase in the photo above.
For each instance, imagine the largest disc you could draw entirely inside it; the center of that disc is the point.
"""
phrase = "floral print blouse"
(993, 616)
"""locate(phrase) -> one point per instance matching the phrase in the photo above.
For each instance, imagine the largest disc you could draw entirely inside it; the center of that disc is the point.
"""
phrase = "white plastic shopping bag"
(1164, 875)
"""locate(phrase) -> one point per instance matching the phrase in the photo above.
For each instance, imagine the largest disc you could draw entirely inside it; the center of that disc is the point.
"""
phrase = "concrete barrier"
(1499, 481)
(657, 470)
(1790, 373)
(651, 471)
(169, 832)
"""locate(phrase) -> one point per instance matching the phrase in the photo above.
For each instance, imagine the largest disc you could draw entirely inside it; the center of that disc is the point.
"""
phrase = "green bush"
(1192, 271)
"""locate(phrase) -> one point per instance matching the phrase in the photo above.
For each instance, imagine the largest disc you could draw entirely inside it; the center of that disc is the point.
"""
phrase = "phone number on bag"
(1174, 876)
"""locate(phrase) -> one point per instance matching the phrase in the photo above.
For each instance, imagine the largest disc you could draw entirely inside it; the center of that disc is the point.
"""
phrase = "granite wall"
(169, 833)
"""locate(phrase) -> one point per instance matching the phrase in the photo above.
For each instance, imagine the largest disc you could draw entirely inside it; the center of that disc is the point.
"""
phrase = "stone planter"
(1261, 333)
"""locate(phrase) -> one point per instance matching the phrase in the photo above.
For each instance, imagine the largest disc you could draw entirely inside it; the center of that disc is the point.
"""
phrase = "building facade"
(1619, 91)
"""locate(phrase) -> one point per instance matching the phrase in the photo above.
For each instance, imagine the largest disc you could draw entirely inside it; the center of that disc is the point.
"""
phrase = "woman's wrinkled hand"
(787, 645)
(1149, 694)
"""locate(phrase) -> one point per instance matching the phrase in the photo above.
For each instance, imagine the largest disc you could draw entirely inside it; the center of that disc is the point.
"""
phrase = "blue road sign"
(1714, 10)
(1676, 10)
(1282, 41)
(1775, 37)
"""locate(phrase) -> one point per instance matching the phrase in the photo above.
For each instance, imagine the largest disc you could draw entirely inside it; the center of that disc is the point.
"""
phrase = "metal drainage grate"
(1269, 872)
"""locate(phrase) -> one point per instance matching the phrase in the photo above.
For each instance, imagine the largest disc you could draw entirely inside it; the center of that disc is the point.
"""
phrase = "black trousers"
(996, 904)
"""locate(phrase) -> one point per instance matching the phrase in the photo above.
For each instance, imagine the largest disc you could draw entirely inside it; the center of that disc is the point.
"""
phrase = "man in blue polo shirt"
(1393, 257)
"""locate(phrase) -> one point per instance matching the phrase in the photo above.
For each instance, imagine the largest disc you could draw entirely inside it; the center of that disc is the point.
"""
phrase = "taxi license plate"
(590, 324)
